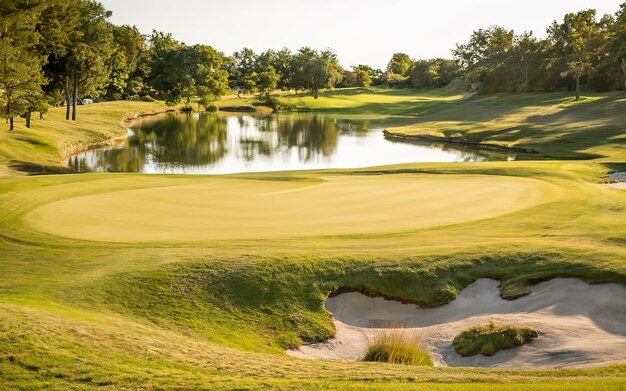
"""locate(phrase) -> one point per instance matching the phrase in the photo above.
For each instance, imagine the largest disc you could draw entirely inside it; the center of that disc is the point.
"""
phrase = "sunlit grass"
(397, 347)
(217, 312)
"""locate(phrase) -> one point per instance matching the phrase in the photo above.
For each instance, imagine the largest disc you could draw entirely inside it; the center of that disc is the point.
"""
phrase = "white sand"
(579, 325)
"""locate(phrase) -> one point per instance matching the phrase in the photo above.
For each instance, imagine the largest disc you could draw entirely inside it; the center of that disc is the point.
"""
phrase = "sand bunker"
(579, 325)
(620, 180)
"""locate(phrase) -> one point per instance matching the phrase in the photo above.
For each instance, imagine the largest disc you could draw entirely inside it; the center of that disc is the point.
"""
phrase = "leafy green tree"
(362, 75)
(90, 45)
(424, 74)
(332, 67)
(127, 63)
(579, 40)
(179, 71)
(267, 81)
(282, 64)
(314, 71)
(20, 66)
(248, 83)
(399, 64)
(56, 31)
(244, 64)
(485, 55)
(165, 77)
(617, 45)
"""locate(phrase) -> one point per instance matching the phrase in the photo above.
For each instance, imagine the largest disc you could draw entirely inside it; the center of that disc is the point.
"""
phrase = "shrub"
(211, 108)
(397, 347)
(288, 340)
(491, 338)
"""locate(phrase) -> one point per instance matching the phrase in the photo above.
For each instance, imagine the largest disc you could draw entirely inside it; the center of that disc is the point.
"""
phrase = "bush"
(397, 347)
(211, 108)
(490, 338)
(288, 340)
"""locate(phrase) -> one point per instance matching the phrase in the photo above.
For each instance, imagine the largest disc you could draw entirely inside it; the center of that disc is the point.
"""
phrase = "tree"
(282, 63)
(485, 55)
(314, 71)
(399, 64)
(362, 75)
(56, 31)
(424, 74)
(165, 77)
(267, 80)
(617, 46)
(179, 71)
(127, 63)
(20, 66)
(85, 63)
(332, 67)
(244, 64)
(577, 40)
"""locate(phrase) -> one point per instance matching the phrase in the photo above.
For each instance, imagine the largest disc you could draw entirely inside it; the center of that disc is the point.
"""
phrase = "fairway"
(224, 208)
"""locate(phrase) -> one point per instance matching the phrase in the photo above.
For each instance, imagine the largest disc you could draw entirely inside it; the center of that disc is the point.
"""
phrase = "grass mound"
(397, 347)
(491, 338)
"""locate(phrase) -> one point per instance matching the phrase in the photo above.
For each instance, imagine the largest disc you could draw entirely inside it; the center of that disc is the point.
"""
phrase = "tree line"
(53, 52)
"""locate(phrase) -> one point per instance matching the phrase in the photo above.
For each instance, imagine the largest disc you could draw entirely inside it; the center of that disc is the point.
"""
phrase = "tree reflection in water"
(215, 143)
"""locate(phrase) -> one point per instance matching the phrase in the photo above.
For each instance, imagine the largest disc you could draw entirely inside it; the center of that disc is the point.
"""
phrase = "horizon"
(353, 44)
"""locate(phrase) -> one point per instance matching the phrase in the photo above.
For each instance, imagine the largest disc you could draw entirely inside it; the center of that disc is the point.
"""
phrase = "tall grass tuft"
(490, 338)
(397, 347)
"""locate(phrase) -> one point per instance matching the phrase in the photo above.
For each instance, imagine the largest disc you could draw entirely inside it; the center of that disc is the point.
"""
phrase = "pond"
(198, 143)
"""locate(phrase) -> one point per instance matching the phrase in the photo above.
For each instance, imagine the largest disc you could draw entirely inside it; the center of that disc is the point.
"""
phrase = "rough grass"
(397, 347)
(491, 338)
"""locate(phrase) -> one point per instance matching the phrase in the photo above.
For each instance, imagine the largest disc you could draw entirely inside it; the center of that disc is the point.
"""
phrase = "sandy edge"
(580, 325)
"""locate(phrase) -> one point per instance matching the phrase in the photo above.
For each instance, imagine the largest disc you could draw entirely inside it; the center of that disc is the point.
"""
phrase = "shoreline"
(456, 140)
(127, 120)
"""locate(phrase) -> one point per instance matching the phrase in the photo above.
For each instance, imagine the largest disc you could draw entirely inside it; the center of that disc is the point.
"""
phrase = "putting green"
(226, 208)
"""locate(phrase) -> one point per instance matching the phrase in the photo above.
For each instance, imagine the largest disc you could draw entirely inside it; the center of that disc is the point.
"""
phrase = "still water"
(218, 144)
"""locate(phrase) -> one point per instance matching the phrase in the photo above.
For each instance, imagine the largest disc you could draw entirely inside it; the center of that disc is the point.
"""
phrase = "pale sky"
(359, 31)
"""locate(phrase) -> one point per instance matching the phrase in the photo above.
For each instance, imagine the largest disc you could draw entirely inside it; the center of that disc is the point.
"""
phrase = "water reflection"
(209, 143)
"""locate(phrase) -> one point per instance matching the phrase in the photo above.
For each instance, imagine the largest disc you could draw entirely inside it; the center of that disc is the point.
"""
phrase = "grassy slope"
(45, 142)
(553, 124)
(205, 313)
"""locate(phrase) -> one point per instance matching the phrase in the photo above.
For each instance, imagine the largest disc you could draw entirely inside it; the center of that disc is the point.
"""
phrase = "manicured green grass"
(397, 347)
(231, 209)
(372, 103)
(140, 281)
(490, 338)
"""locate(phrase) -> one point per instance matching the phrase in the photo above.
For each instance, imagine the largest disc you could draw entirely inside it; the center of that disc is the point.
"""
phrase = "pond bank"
(127, 121)
(455, 140)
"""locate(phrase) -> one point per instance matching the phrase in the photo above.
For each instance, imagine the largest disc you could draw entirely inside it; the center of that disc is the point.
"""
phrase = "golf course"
(122, 280)
(339, 195)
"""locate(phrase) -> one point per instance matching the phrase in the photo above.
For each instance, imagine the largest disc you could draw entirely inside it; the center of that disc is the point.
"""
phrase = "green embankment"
(41, 148)
(103, 286)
